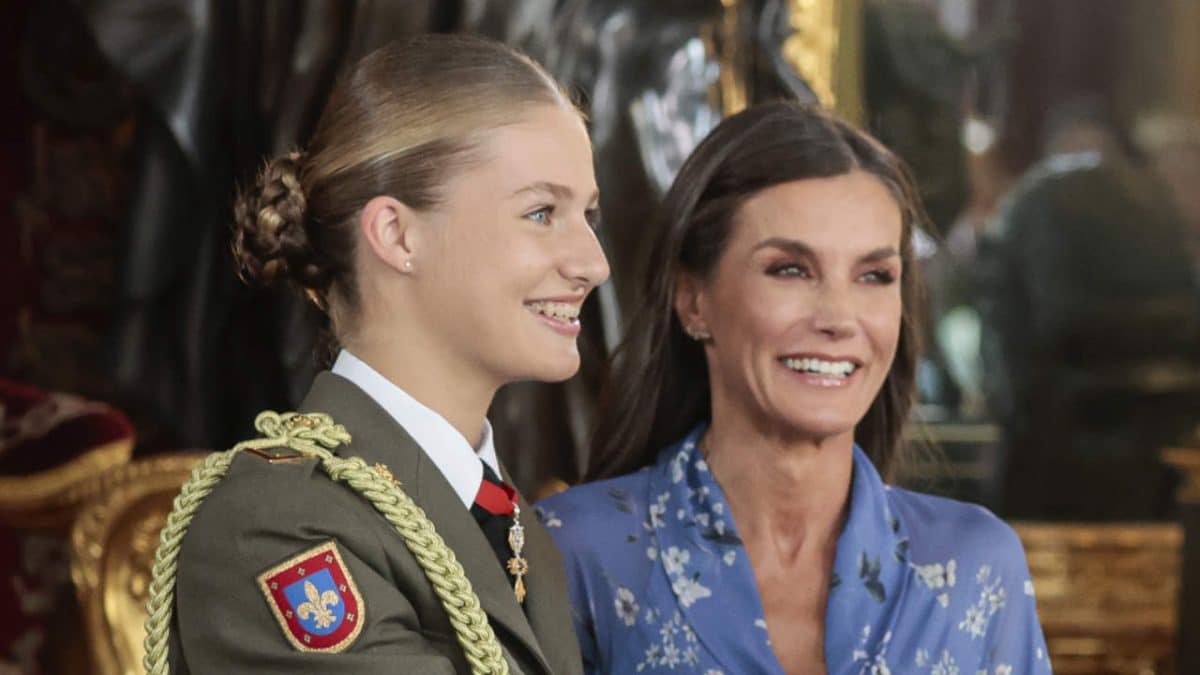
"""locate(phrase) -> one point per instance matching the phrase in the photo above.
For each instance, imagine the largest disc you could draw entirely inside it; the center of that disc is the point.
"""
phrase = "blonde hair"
(398, 123)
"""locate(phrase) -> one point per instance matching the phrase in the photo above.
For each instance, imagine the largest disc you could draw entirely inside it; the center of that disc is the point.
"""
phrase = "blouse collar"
(450, 451)
(701, 553)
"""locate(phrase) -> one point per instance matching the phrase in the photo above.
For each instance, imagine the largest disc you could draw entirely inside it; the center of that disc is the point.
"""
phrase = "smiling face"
(511, 253)
(804, 306)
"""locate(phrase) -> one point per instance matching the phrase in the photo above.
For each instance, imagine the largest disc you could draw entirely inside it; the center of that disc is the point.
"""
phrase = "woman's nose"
(585, 259)
(834, 315)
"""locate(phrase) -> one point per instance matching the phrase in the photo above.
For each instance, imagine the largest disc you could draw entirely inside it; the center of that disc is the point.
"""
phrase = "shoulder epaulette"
(291, 436)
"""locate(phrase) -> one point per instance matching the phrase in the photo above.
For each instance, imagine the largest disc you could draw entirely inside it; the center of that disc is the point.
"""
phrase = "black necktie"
(493, 511)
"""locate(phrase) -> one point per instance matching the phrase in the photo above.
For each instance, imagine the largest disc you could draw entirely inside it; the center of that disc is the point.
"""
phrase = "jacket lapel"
(378, 438)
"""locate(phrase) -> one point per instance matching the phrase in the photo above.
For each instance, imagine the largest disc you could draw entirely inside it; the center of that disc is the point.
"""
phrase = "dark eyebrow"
(792, 246)
(557, 190)
(880, 254)
(799, 248)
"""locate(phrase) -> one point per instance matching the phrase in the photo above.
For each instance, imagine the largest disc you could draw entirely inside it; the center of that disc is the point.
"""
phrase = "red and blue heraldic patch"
(315, 600)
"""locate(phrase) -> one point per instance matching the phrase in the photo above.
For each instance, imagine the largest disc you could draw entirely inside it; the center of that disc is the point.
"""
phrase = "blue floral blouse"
(660, 581)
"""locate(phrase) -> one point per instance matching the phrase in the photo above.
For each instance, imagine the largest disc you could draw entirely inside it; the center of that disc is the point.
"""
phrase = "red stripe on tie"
(495, 499)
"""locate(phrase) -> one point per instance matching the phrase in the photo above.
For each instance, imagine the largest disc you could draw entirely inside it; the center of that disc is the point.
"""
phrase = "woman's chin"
(552, 368)
(819, 427)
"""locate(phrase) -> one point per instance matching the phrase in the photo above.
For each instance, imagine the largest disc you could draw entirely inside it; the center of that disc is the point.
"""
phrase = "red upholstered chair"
(52, 448)
(51, 443)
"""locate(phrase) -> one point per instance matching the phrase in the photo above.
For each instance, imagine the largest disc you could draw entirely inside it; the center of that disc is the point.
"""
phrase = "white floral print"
(918, 583)
(676, 647)
(627, 606)
(675, 560)
(991, 600)
(549, 518)
(689, 591)
(945, 666)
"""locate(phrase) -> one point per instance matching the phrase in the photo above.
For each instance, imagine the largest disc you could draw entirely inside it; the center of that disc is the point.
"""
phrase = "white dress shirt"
(448, 448)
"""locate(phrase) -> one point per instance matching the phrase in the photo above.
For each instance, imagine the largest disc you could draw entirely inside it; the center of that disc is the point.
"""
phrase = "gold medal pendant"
(518, 566)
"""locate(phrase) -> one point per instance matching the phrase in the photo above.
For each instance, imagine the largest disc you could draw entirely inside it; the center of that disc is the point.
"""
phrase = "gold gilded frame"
(825, 48)
(112, 550)
(50, 499)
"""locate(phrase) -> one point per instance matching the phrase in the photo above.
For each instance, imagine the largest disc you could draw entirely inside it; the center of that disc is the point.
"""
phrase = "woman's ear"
(690, 302)
(392, 232)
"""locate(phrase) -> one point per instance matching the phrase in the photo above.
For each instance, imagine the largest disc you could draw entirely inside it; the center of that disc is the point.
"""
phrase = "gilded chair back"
(1107, 594)
(112, 550)
(50, 499)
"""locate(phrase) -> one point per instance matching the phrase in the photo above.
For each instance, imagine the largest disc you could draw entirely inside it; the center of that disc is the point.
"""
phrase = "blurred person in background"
(1171, 144)
(1091, 332)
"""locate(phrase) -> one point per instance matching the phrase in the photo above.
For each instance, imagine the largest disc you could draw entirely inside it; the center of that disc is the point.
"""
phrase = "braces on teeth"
(557, 310)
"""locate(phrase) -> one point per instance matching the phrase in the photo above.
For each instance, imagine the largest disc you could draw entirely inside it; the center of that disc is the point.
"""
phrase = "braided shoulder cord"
(314, 434)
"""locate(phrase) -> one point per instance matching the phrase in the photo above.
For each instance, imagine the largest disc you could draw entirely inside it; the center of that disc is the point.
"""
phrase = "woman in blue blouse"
(743, 525)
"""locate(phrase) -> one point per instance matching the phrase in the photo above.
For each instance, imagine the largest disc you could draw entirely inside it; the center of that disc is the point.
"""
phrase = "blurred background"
(1056, 144)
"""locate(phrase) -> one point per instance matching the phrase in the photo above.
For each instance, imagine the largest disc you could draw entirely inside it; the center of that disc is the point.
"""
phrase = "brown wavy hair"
(657, 387)
(398, 123)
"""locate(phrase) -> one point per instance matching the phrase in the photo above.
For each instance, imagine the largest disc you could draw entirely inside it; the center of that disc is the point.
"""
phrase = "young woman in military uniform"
(442, 215)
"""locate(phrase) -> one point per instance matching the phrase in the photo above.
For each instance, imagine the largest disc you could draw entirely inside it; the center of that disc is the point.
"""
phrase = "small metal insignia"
(314, 599)
(274, 455)
(303, 421)
(385, 473)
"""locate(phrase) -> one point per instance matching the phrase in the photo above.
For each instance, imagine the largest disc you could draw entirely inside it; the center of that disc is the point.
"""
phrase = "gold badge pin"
(518, 566)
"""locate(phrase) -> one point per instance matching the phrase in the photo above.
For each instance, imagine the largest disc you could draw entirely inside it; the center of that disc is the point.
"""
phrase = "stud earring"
(697, 334)
(407, 265)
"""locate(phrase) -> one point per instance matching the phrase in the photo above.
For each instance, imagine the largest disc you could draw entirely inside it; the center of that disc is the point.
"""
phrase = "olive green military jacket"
(264, 514)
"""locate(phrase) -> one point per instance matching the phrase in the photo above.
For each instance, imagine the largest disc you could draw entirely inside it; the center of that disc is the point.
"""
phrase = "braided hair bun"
(271, 242)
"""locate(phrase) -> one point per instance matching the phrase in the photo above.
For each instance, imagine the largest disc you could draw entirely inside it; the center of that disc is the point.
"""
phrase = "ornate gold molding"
(731, 55)
(825, 48)
(112, 550)
(813, 45)
(50, 498)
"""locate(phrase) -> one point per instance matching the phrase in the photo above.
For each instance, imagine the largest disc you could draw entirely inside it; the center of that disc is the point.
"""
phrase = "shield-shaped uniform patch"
(315, 600)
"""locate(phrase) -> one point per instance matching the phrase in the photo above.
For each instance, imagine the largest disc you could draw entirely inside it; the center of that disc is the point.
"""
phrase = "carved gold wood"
(1107, 594)
(731, 55)
(50, 499)
(825, 48)
(112, 549)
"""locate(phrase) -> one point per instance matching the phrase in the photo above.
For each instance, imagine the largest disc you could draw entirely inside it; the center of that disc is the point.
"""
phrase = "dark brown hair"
(396, 124)
(658, 388)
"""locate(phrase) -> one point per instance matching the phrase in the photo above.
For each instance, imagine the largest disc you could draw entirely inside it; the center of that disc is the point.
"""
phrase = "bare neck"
(419, 366)
(789, 492)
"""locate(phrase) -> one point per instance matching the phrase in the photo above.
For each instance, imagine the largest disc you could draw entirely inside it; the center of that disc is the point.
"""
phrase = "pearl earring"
(407, 266)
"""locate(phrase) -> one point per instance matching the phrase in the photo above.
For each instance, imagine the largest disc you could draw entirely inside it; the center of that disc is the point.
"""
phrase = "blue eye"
(788, 270)
(881, 277)
(541, 215)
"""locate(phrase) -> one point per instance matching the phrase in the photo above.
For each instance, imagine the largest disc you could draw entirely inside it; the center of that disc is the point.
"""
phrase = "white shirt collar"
(448, 448)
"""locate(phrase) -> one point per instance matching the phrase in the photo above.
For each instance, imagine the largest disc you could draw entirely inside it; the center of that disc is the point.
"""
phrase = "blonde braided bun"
(398, 123)
(271, 242)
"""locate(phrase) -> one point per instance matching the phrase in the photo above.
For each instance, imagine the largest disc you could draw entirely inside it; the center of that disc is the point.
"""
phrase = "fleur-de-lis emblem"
(315, 600)
(317, 606)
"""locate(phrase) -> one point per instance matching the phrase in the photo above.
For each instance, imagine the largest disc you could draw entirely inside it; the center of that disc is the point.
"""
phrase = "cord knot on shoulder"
(311, 434)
